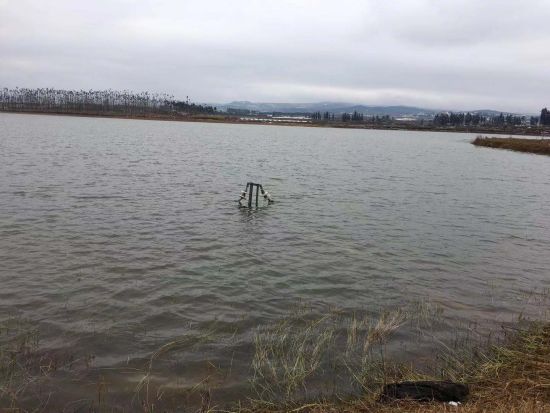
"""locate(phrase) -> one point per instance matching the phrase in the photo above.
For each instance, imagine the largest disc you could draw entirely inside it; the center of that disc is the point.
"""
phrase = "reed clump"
(303, 356)
(511, 377)
(539, 146)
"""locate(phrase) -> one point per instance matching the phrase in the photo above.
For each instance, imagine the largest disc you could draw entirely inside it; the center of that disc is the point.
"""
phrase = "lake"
(121, 240)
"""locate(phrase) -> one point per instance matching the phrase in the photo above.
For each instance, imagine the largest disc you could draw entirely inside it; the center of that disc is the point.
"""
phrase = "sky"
(440, 54)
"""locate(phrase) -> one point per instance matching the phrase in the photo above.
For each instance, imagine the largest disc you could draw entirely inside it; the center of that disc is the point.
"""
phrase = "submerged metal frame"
(250, 191)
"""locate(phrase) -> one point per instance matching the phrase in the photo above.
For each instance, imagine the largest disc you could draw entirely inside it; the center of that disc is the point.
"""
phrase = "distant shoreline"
(229, 119)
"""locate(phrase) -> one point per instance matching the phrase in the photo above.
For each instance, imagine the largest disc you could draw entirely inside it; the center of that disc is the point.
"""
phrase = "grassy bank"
(539, 146)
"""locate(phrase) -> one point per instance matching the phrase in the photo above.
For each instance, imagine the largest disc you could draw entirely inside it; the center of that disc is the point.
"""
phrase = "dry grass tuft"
(517, 374)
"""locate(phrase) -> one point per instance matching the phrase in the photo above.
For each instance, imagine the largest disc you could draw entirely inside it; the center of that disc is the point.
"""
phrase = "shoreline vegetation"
(512, 377)
(538, 146)
(511, 374)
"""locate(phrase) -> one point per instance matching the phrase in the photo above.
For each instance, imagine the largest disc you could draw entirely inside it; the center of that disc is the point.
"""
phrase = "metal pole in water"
(250, 195)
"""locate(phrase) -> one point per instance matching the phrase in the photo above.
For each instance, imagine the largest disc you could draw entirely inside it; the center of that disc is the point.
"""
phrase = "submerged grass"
(335, 362)
(17, 344)
(306, 357)
(539, 146)
(26, 367)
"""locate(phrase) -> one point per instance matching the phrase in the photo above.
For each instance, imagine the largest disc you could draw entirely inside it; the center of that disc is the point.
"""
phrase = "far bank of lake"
(255, 120)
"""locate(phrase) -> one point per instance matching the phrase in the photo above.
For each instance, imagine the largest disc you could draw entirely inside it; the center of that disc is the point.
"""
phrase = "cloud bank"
(457, 54)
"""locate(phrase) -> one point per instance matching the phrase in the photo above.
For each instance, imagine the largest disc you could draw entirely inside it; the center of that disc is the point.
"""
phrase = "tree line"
(349, 117)
(476, 119)
(96, 102)
(444, 119)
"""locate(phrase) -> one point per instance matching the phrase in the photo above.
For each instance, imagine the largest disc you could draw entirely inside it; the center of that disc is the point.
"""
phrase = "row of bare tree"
(95, 102)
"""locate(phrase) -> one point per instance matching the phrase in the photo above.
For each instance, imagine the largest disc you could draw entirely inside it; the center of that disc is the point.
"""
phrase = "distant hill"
(342, 107)
(333, 107)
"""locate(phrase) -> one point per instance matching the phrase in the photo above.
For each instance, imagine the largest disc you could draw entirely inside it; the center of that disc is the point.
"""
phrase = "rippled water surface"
(119, 236)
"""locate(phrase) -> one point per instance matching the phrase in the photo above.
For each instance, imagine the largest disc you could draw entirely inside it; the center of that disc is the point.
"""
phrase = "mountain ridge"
(345, 107)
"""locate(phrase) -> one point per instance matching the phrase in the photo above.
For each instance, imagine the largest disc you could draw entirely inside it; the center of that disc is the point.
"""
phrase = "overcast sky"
(452, 54)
